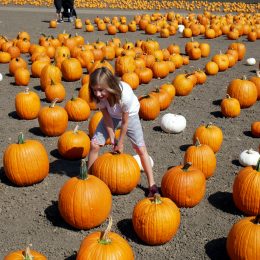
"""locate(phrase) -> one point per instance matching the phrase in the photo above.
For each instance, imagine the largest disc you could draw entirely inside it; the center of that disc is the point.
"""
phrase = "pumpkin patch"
(189, 64)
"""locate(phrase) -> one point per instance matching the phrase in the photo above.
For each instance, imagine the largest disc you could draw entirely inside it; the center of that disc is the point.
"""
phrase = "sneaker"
(59, 21)
(71, 20)
(152, 190)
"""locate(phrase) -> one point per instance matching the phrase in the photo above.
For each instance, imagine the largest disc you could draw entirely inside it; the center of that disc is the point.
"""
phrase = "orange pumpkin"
(255, 129)
(156, 220)
(149, 107)
(30, 169)
(25, 254)
(120, 172)
(93, 206)
(230, 107)
(185, 185)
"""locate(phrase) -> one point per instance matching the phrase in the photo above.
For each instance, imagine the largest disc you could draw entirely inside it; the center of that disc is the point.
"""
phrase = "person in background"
(120, 108)
(58, 6)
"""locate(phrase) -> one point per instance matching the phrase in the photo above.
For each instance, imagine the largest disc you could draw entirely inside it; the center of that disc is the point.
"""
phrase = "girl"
(120, 108)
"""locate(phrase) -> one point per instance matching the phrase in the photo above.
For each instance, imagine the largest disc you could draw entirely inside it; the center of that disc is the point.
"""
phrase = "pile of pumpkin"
(146, 60)
(151, 5)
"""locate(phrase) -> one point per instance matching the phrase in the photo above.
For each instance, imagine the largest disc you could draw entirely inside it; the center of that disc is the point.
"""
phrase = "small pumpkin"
(255, 129)
(173, 123)
(149, 107)
(156, 220)
(230, 107)
(74, 144)
(249, 157)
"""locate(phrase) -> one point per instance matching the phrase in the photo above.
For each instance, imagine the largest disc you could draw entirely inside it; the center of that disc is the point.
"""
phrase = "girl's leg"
(93, 154)
(146, 163)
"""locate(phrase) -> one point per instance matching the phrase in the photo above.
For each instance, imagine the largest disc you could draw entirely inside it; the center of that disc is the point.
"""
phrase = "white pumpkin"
(251, 61)
(181, 28)
(249, 157)
(1, 77)
(173, 123)
(137, 158)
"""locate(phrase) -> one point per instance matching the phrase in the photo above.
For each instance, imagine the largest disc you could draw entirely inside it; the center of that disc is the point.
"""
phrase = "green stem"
(76, 129)
(83, 170)
(197, 142)
(209, 124)
(21, 138)
(53, 103)
(27, 254)
(157, 198)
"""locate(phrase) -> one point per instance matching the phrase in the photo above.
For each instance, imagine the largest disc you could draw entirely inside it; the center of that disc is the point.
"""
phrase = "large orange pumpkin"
(119, 171)
(105, 245)
(26, 162)
(81, 202)
(243, 241)
(156, 220)
(246, 192)
(184, 184)
(71, 69)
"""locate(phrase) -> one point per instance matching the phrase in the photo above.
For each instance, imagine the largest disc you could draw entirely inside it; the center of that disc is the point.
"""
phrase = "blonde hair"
(104, 77)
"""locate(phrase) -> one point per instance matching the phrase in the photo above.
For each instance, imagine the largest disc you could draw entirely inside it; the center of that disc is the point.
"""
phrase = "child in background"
(120, 108)
(58, 6)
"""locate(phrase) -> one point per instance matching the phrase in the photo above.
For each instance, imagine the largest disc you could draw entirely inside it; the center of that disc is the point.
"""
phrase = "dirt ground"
(30, 214)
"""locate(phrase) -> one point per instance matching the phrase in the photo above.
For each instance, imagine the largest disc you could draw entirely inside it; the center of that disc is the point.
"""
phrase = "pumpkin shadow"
(14, 115)
(37, 131)
(224, 202)
(217, 114)
(158, 129)
(4, 179)
(8, 75)
(184, 147)
(249, 134)
(53, 215)
(236, 163)
(65, 167)
(37, 88)
(72, 257)
(216, 249)
(217, 102)
(126, 228)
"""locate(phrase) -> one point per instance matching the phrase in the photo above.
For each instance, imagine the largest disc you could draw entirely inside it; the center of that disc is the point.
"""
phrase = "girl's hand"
(118, 147)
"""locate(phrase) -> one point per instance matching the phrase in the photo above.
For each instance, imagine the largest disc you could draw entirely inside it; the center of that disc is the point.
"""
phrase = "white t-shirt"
(128, 103)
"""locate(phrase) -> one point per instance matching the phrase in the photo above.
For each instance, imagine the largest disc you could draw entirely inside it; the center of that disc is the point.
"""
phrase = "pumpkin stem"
(27, 254)
(197, 143)
(26, 90)
(104, 240)
(186, 166)
(21, 138)
(83, 170)
(258, 165)
(157, 198)
(244, 77)
(258, 73)
(75, 131)
(53, 103)
(209, 124)
(228, 96)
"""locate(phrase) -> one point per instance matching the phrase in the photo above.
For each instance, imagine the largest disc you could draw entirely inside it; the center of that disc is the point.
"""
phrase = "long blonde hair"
(104, 77)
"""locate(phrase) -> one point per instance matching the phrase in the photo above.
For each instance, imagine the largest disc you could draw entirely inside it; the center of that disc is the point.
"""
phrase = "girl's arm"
(120, 144)
(109, 125)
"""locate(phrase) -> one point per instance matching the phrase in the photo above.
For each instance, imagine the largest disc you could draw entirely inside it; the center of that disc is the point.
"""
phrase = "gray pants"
(134, 131)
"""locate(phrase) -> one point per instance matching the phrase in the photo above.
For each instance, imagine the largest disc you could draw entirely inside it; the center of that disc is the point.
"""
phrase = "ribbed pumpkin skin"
(246, 192)
(149, 107)
(82, 204)
(244, 91)
(53, 121)
(120, 172)
(18, 255)
(201, 157)
(27, 105)
(50, 72)
(211, 135)
(119, 249)
(26, 164)
(230, 107)
(156, 224)
(243, 241)
(71, 69)
(74, 145)
(77, 109)
(185, 188)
